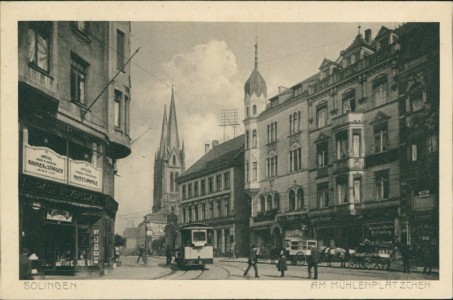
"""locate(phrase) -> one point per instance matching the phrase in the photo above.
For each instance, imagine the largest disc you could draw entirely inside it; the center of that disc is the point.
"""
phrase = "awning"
(58, 201)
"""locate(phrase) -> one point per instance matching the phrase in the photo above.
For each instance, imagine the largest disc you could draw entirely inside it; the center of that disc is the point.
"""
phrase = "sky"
(208, 64)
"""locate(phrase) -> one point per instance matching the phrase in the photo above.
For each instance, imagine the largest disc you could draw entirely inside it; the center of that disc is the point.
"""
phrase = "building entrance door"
(59, 248)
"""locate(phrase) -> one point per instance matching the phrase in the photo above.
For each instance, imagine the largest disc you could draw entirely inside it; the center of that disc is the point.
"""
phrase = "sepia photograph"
(233, 151)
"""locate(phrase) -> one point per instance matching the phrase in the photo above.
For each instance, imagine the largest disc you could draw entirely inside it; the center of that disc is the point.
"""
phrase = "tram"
(194, 245)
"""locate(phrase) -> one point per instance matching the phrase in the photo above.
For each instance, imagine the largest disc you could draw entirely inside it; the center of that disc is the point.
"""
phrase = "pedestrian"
(428, 259)
(281, 263)
(406, 253)
(233, 250)
(252, 261)
(168, 254)
(25, 265)
(313, 261)
(141, 253)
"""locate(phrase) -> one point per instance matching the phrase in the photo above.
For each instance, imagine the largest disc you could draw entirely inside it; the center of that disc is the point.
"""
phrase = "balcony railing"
(350, 117)
(265, 215)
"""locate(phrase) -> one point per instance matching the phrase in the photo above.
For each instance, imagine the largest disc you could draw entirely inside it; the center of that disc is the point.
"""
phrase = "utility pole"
(229, 118)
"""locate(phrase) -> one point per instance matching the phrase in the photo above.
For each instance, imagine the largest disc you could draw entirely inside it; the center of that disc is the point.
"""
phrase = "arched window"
(176, 185)
(172, 182)
(262, 203)
(269, 202)
(292, 200)
(300, 198)
(276, 201)
(254, 138)
(247, 138)
(247, 111)
(254, 109)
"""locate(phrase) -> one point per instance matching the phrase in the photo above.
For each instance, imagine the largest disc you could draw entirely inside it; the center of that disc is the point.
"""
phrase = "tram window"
(199, 236)
(185, 235)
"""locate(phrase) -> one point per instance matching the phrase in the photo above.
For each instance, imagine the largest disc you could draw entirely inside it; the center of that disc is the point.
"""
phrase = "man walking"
(313, 260)
(141, 254)
(168, 255)
(252, 261)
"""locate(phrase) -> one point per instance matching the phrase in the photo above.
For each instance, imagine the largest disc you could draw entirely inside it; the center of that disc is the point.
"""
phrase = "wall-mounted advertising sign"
(45, 163)
(59, 215)
(85, 175)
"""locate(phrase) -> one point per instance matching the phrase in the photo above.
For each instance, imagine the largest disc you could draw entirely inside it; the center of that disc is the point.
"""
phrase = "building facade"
(212, 192)
(326, 162)
(73, 127)
(151, 229)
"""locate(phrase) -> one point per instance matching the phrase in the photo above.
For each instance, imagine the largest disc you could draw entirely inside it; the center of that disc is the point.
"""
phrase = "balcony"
(349, 164)
(348, 118)
(265, 215)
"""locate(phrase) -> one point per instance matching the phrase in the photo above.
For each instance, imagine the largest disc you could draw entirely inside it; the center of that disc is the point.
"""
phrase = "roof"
(358, 42)
(255, 84)
(221, 156)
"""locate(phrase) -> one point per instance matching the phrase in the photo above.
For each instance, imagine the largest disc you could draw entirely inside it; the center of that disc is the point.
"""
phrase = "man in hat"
(313, 260)
(252, 261)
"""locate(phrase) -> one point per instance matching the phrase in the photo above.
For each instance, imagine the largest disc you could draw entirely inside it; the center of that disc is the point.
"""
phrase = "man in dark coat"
(141, 254)
(25, 265)
(406, 253)
(168, 255)
(313, 261)
(252, 261)
(281, 264)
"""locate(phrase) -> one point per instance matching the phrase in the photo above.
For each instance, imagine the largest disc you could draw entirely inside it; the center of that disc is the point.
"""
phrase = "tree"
(119, 240)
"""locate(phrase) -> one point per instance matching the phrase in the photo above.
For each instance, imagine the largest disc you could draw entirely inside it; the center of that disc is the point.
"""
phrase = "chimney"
(368, 36)
(215, 143)
(206, 148)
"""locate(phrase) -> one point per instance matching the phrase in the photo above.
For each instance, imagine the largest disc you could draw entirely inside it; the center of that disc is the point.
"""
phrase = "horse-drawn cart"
(371, 256)
(298, 249)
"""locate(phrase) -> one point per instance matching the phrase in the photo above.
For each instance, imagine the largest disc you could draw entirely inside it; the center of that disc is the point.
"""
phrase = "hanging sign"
(45, 163)
(85, 175)
(59, 215)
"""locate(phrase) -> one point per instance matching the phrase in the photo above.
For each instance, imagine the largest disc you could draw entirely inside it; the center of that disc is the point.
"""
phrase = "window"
(381, 137)
(349, 101)
(272, 132)
(275, 132)
(322, 155)
(300, 199)
(211, 210)
(78, 75)
(176, 185)
(356, 143)
(203, 187)
(247, 111)
(416, 97)
(254, 142)
(255, 171)
(117, 109)
(226, 179)
(290, 124)
(276, 201)
(38, 42)
(172, 182)
(269, 202)
(203, 212)
(247, 140)
(218, 209)
(184, 215)
(272, 166)
(247, 176)
(196, 212)
(184, 191)
(380, 91)
(292, 200)
(211, 184)
(195, 189)
(342, 145)
(254, 109)
(120, 50)
(298, 121)
(218, 182)
(189, 188)
(295, 122)
(431, 142)
(321, 116)
(295, 160)
(382, 184)
(356, 190)
(268, 134)
(262, 203)
(227, 207)
(323, 195)
(342, 190)
(174, 160)
(126, 114)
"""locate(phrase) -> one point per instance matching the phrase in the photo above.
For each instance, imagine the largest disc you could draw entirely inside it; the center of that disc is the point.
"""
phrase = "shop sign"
(380, 229)
(59, 215)
(85, 175)
(45, 163)
(321, 219)
(284, 219)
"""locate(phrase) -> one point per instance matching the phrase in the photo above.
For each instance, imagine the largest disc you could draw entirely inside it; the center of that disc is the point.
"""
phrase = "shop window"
(226, 179)
(203, 187)
(269, 202)
(323, 195)
(254, 137)
(262, 203)
(381, 137)
(349, 102)
(416, 97)
(382, 184)
(195, 189)
(322, 155)
(254, 109)
(38, 42)
(276, 201)
(292, 200)
(342, 190)
(78, 77)
(120, 50)
(255, 171)
(357, 190)
(300, 199)
(321, 116)
(211, 184)
(342, 145)
(380, 91)
(117, 109)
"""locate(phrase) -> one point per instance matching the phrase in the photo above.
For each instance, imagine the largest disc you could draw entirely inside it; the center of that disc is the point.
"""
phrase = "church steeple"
(172, 130)
(163, 136)
(255, 85)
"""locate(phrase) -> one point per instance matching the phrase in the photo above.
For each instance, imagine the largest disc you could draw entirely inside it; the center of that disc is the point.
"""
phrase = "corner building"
(325, 162)
(73, 127)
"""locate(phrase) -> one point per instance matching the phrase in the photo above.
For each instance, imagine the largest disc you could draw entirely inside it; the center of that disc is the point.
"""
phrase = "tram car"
(194, 246)
(298, 249)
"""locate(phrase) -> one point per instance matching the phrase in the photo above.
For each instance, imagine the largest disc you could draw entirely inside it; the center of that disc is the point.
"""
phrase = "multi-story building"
(73, 127)
(212, 192)
(325, 162)
(151, 229)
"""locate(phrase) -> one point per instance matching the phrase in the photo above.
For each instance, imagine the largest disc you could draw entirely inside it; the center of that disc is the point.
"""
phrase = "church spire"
(256, 53)
(163, 135)
(172, 129)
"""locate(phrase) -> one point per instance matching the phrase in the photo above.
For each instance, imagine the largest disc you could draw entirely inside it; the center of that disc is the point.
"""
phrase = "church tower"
(168, 162)
(255, 97)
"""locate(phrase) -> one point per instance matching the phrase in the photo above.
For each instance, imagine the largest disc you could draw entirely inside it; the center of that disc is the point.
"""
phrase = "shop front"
(295, 226)
(69, 229)
(425, 228)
